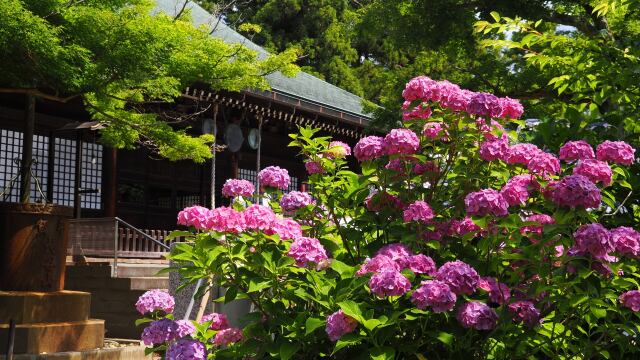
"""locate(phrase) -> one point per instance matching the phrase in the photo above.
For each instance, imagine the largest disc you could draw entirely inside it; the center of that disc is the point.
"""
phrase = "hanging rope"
(6, 191)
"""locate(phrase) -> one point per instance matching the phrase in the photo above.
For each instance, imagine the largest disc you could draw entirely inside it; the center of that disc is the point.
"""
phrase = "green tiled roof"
(303, 86)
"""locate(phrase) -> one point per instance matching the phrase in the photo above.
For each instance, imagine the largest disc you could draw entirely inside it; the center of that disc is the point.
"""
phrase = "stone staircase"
(113, 298)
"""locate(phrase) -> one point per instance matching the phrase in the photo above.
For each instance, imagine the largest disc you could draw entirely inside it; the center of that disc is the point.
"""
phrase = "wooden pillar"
(77, 187)
(111, 182)
(27, 148)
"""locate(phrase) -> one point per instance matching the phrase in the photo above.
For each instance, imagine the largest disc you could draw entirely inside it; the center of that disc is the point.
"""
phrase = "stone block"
(55, 337)
(41, 307)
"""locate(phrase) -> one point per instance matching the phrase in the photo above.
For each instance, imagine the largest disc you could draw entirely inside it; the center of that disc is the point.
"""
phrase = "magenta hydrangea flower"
(237, 187)
(295, 200)
(159, 332)
(486, 202)
(419, 88)
(186, 349)
(521, 153)
(516, 190)
(313, 167)
(461, 277)
(435, 294)
(420, 264)
(339, 324)
(218, 321)
(305, 250)
(382, 200)
(511, 108)
(435, 131)
(419, 211)
(259, 217)
(401, 141)
(595, 170)
(544, 164)
(576, 150)
(195, 216)
(369, 148)
(525, 312)
(422, 111)
(389, 283)
(618, 152)
(485, 105)
(397, 252)
(574, 191)
(626, 240)
(464, 226)
(457, 100)
(275, 177)
(631, 300)
(396, 165)
(477, 315)
(593, 239)
(338, 150)
(155, 300)
(185, 328)
(499, 293)
(225, 219)
(287, 229)
(228, 336)
(541, 219)
(494, 150)
(376, 264)
(429, 166)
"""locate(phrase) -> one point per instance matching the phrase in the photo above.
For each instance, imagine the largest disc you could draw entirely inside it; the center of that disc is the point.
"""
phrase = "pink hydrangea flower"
(369, 148)
(631, 300)
(275, 177)
(295, 200)
(618, 152)
(313, 167)
(626, 240)
(339, 324)
(499, 293)
(287, 229)
(397, 252)
(338, 150)
(228, 336)
(429, 166)
(516, 190)
(494, 150)
(441, 228)
(237, 187)
(436, 294)
(187, 349)
(159, 332)
(485, 105)
(477, 315)
(511, 108)
(593, 239)
(396, 165)
(389, 283)
(195, 216)
(544, 164)
(461, 277)
(305, 250)
(259, 217)
(225, 219)
(376, 264)
(595, 170)
(489, 130)
(457, 100)
(419, 88)
(420, 264)
(218, 321)
(421, 111)
(419, 211)
(435, 131)
(574, 191)
(486, 202)
(576, 150)
(401, 141)
(464, 226)
(521, 154)
(155, 300)
(541, 219)
(525, 312)
(383, 200)
(185, 328)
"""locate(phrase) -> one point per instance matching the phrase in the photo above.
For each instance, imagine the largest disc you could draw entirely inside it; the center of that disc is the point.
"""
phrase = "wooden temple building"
(73, 168)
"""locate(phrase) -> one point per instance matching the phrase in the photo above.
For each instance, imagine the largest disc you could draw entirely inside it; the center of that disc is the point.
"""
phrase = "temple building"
(71, 166)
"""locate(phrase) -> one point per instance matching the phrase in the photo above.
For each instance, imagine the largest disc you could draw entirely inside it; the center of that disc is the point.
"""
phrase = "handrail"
(163, 245)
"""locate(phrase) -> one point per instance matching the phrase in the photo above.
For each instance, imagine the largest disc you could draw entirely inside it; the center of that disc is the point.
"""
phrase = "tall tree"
(118, 55)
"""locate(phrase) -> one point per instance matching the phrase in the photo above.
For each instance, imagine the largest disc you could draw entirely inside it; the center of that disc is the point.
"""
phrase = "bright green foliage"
(118, 57)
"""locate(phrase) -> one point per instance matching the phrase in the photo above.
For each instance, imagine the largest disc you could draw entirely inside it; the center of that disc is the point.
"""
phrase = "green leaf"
(352, 309)
(382, 353)
(343, 269)
(255, 285)
(287, 350)
(312, 324)
(230, 295)
(347, 340)
(445, 338)
(495, 16)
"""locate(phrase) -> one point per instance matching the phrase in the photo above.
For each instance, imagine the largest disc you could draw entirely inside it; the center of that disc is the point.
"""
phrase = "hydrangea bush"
(453, 240)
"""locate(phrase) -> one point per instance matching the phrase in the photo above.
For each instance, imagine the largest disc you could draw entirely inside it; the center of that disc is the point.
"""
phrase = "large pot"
(33, 246)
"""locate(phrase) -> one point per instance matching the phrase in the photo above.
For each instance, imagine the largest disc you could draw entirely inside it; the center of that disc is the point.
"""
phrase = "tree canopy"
(118, 55)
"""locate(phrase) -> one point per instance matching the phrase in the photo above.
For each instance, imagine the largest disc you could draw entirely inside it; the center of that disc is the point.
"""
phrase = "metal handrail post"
(162, 245)
(114, 271)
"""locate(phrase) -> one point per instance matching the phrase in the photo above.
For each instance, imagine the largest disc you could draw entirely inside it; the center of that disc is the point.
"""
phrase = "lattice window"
(64, 175)
(251, 175)
(40, 166)
(293, 185)
(91, 174)
(10, 149)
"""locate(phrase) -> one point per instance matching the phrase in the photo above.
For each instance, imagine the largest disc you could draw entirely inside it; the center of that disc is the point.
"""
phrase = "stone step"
(140, 270)
(132, 351)
(41, 307)
(54, 337)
